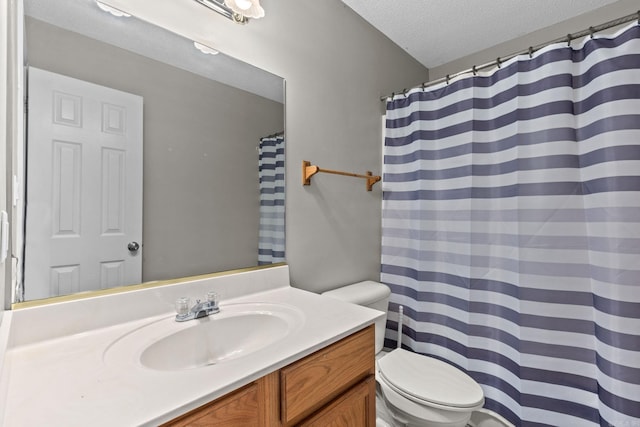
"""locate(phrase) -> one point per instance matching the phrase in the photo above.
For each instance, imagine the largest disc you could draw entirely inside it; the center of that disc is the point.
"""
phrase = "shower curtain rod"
(273, 135)
(498, 61)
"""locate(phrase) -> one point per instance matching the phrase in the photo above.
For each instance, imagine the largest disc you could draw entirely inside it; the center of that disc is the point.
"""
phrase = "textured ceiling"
(436, 32)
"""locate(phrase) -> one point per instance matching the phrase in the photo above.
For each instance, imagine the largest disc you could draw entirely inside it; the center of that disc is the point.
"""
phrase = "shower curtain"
(511, 230)
(271, 176)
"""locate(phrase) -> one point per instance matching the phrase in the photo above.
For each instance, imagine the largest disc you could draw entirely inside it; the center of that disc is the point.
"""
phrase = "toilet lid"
(423, 378)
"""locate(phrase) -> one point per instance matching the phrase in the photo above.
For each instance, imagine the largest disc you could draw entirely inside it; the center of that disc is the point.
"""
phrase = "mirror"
(203, 118)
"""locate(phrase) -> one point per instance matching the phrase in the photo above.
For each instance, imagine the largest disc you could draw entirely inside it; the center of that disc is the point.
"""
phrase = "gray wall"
(201, 195)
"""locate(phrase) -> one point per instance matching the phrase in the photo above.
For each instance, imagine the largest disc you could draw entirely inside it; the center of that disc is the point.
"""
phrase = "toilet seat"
(429, 381)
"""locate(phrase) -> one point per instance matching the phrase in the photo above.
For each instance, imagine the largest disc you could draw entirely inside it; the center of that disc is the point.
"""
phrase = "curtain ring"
(530, 52)
(448, 78)
(424, 86)
(592, 31)
(393, 95)
(404, 92)
(475, 71)
(498, 62)
(569, 39)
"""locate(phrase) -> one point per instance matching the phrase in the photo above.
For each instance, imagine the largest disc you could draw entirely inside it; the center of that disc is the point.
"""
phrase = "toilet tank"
(369, 294)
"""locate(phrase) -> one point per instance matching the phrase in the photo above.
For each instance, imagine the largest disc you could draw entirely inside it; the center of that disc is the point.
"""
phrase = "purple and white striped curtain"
(511, 230)
(271, 237)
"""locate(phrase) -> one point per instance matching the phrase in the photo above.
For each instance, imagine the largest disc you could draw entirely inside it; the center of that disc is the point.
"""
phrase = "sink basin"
(237, 331)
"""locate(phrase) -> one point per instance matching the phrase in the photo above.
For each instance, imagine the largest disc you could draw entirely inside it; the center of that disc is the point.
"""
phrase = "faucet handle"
(212, 301)
(182, 306)
(213, 298)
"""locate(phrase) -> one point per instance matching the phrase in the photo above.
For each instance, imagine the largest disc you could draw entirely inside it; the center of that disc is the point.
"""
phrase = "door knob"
(133, 246)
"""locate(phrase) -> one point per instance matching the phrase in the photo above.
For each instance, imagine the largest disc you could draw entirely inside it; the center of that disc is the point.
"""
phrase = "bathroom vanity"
(333, 384)
(285, 357)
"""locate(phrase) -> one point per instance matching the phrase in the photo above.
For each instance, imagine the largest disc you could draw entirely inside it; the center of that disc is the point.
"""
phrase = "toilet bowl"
(423, 391)
(416, 390)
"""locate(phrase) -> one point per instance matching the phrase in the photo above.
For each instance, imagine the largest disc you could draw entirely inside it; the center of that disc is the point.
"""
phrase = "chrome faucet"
(199, 310)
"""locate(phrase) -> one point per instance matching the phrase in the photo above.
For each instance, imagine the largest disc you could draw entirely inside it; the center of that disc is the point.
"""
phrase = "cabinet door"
(311, 383)
(354, 408)
(254, 405)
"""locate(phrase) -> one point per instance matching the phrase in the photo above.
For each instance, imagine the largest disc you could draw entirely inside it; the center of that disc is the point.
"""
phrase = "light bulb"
(248, 8)
(243, 4)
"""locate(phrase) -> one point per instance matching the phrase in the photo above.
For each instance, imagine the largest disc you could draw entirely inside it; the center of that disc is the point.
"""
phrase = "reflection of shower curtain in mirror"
(271, 174)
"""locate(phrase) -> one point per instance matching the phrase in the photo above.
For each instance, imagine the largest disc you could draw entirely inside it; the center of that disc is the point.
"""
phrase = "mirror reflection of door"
(84, 187)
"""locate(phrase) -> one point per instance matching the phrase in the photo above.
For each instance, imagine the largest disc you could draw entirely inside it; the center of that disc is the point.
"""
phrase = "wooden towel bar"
(308, 170)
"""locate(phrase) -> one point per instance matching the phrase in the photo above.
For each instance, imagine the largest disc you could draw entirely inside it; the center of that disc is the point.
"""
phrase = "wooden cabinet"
(356, 407)
(310, 383)
(334, 386)
(254, 405)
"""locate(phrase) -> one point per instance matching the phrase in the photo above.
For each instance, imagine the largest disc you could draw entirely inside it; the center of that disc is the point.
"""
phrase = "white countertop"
(65, 381)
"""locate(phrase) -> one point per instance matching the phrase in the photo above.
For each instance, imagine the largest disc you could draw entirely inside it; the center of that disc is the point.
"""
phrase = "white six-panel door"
(84, 186)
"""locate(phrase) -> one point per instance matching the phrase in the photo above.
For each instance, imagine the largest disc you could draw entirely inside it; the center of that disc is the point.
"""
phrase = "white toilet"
(417, 390)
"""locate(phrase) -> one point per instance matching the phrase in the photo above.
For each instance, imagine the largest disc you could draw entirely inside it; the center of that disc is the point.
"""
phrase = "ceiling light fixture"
(248, 8)
(205, 49)
(238, 11)
(112, 10)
